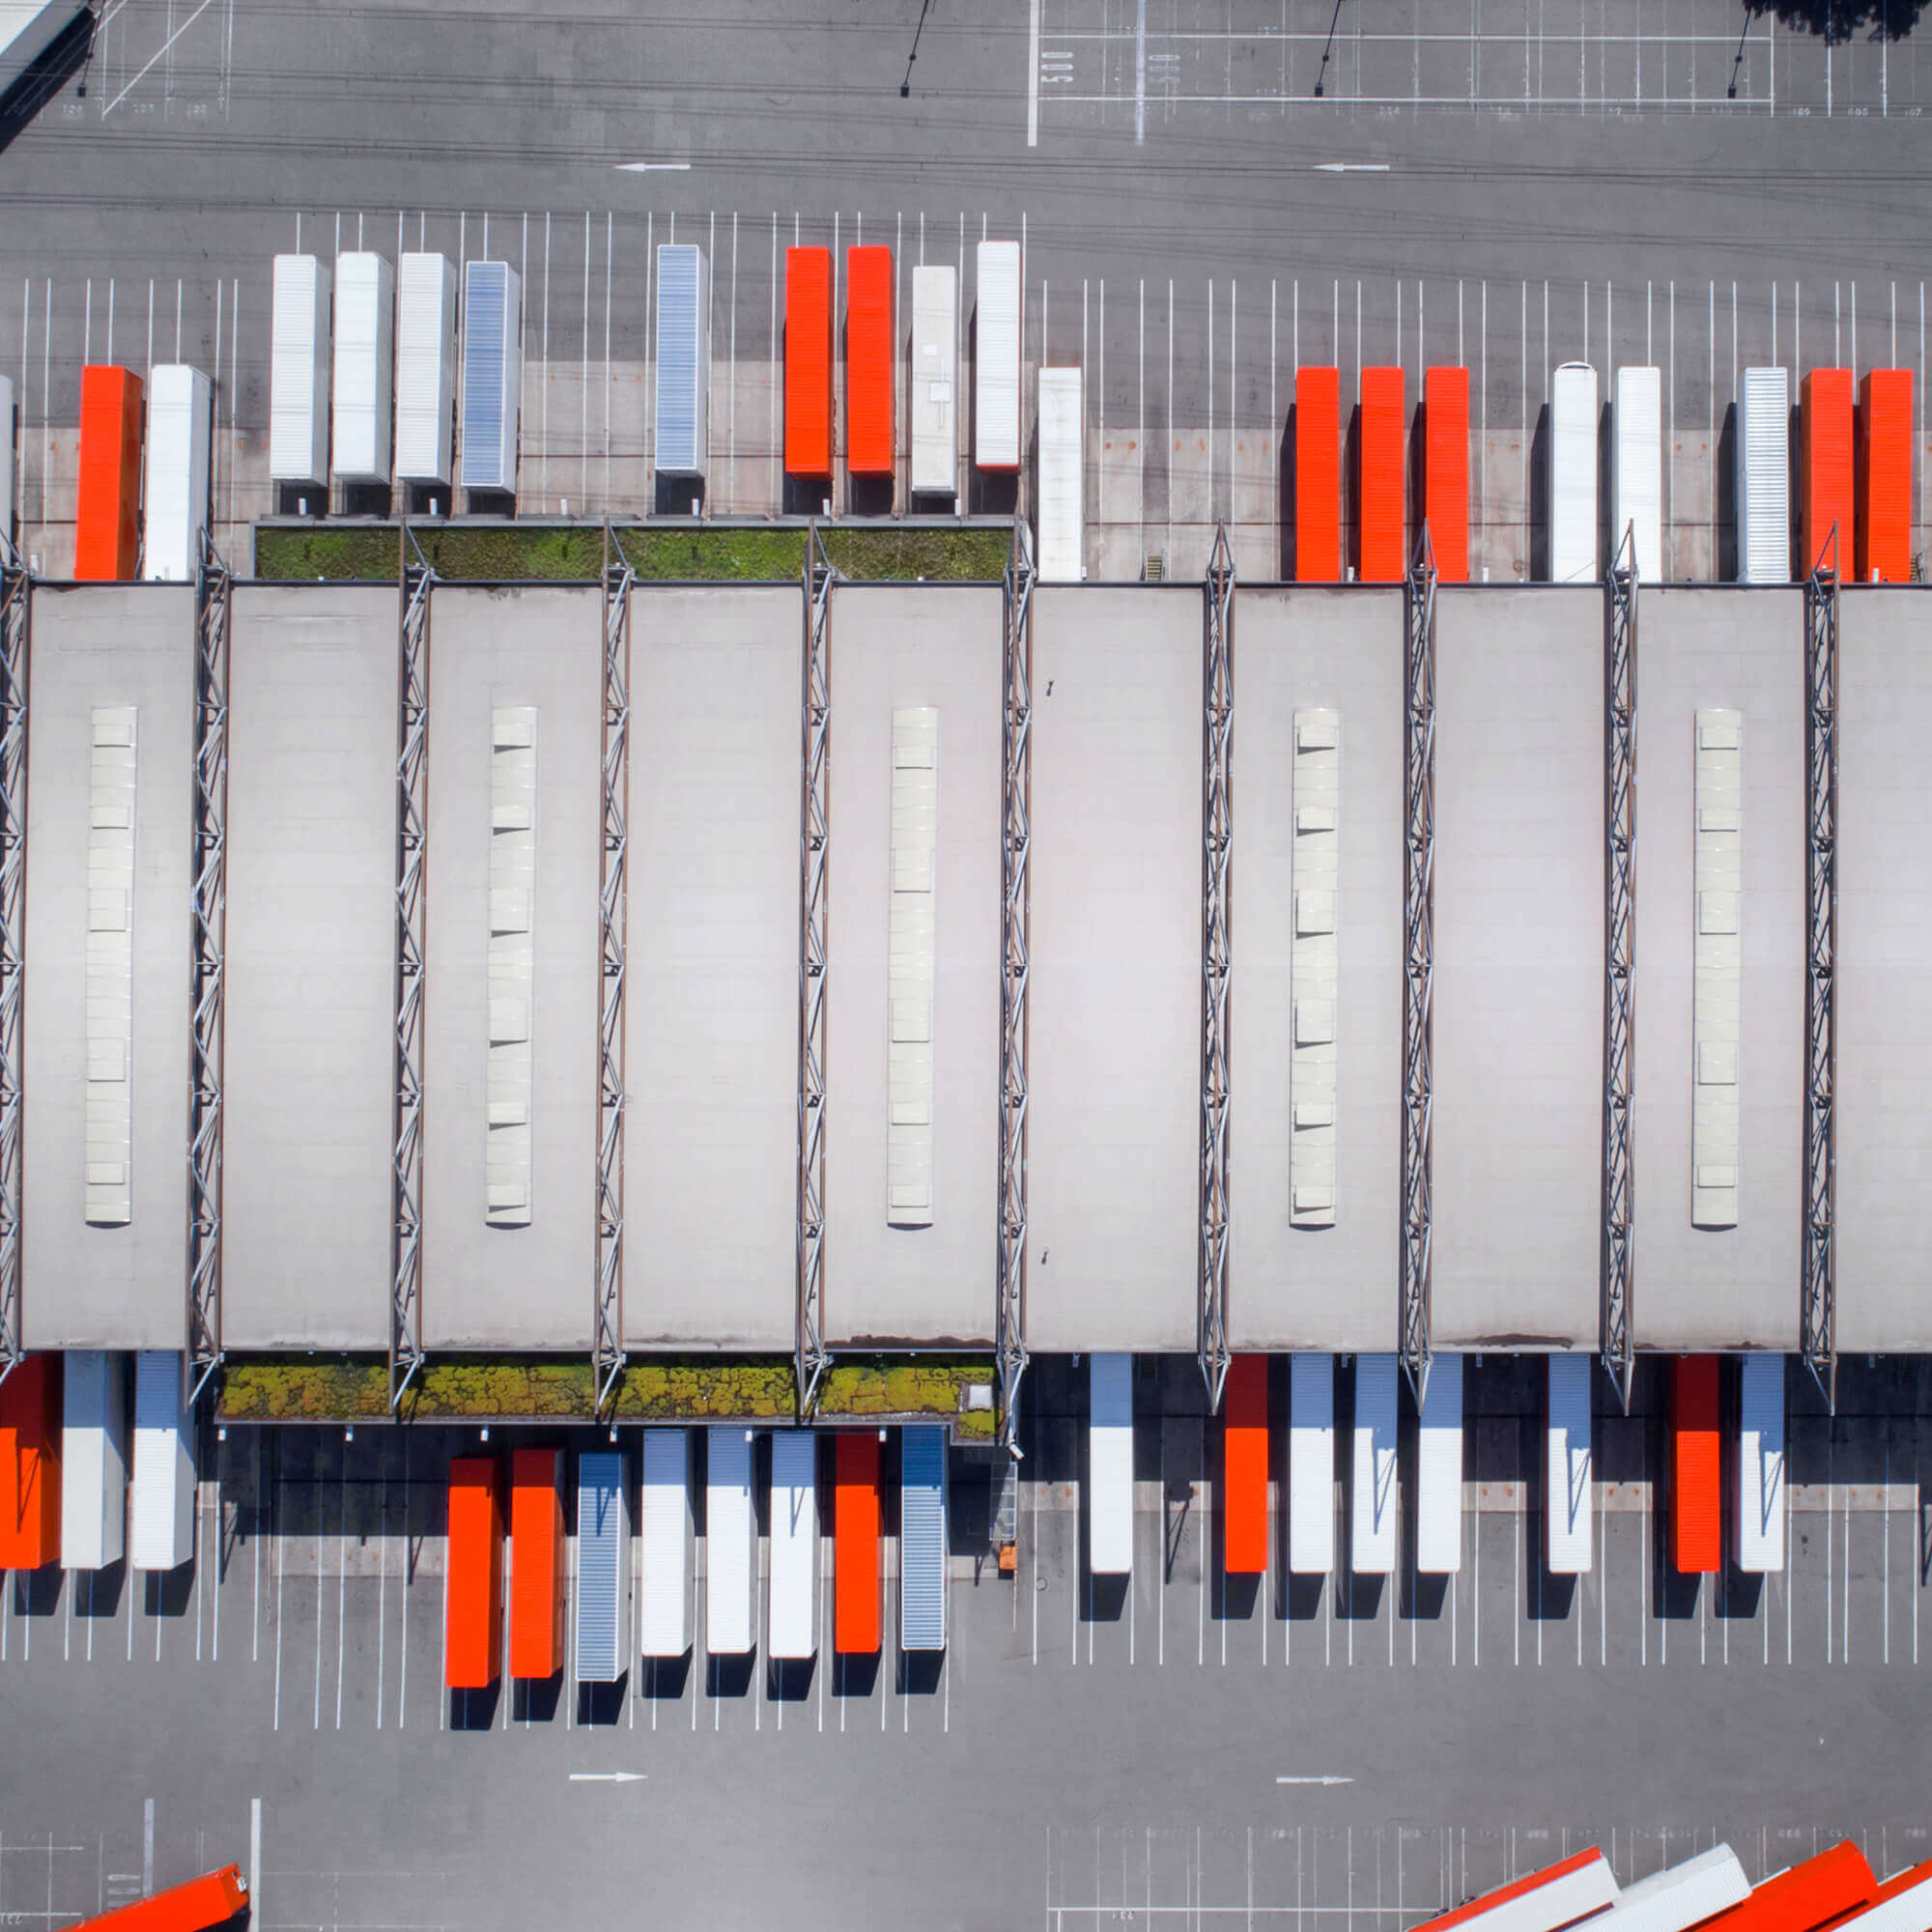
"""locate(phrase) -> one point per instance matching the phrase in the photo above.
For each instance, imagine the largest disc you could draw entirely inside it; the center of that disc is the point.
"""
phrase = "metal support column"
(1818, 1317)
(1418, 908)
(1217, 841)
(213, 591)
(414, 580)
(613, 915)
(1619, 961)
(1016, 849)
(16, 616)
(814, 822)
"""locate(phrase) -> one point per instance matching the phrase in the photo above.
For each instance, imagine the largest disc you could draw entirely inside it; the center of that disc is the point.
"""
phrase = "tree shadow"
(1836, 20)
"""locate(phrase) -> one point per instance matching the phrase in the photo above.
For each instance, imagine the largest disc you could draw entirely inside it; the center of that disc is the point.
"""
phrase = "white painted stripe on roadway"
(653, 167)
(1033, 74)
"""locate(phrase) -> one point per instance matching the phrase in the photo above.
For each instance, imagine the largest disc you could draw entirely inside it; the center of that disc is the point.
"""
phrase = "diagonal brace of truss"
(414, 580)
(213, 596)
(613, 910)
(1819, 1311)
(1418, 909)
(1015, 903)
(814, 823)
(1217, 844)
(1619, 964)
(16, 616)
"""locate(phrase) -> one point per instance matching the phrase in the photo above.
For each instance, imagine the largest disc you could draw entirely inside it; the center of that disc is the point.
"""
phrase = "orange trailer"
(1244, 1467)
(474, 1585)
(855, 1545)
(1697, 1485)
(1825, 468)
(1318, 475)
(868, 362)
(808, 362)
(30, 1476)
(1885, 477)
(537, 1568)
(1445, 470)
(1383, 498)
(108, 513)
(1808, 1895)
(201, 1905)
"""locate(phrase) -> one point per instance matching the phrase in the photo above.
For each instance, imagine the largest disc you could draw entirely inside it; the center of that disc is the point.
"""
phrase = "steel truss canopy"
(1217, 851)
(1418, 911)
(1619, 960)
(15, 616)
(1818, 1327)
(1015, 846)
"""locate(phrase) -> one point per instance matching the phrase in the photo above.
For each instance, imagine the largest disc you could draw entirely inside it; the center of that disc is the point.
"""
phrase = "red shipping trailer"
(538, 1563)
(1384, 476)
(1884, 487)
(108, 510)
(1824, 470)
(30, 1475)
(868, 362)
(199, 1906)
(474, 1583)
(808, 362)
(1244, 1467)
(1318, 476)
(855, 1544)
(1696, 1484)
(1445, 470)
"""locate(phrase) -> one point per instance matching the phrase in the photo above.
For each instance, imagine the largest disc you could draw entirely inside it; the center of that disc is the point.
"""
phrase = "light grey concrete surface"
(1884, 1019)
(86, 1286)
(502, 1287)
(308, 1199)
(1519, 987)
(1319, 1288)
(1720, 1288)
(1114, 1056)
(712, 1017)
(894, 647)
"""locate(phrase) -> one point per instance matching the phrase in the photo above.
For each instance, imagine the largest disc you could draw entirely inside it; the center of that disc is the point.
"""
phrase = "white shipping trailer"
(365, 316)
(730, 1542)
(1372, 1516)
(299, 372)
(1311, 1465)
(1565, 1895)
(425, 366)
(1764, 476)
(1636, 469)
(684, 360)
(493, 374)
(1062, 525)
(1110, 1465)
(1907, 1911)
(1567, 1471)
(1681, 1896)
(1439, 1468)
(791, 1617)
(1761, 1498)
(996, 355)
(602, 1566)
(934, 383)
(161, 1501)
(173, 505)
(1573, 474)
(94, 1459)
(664, 1529)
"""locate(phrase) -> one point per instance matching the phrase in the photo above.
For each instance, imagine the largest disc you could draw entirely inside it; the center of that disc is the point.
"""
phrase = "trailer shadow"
(788, 1680)
(1423, 1594)
(37, 1592)
(665, 1677)
(603, 1704)
(1301, 1596)
(170, 1592)
(678, 495)
(919, 1672)
(476, 1709)
(730, 1676)
(1738, 1595)
(534, 1699)
(854, 1675)
(1358, 1599)
(101, 1595)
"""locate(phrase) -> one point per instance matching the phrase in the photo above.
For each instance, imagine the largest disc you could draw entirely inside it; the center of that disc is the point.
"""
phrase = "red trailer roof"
(1804, 1898)
(1696, 1484)
(1244, 1467)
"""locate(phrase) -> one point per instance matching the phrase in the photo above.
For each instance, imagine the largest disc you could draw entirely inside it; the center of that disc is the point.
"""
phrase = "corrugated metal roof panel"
(730, 1535)
(792, 1617)
(602, 1566)
(665, 1526)
(1439, 1468)
(1764, 476)
(492, 375)
(923, 1539)
(684, 356)
(1311, 1463)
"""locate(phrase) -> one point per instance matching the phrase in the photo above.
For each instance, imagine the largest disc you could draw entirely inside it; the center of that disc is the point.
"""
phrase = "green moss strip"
(507, 1388)
(519, 554)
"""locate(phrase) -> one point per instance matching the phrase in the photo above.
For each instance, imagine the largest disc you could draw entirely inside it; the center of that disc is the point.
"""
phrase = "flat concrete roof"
(711, 1066)
(1518, 988)
(896, 646)
(1114, 1059)
(83, 1284)
(1336, 1286)
(1720, 1288)
(308, 1189)
(1884, 1017)
(485, 1285)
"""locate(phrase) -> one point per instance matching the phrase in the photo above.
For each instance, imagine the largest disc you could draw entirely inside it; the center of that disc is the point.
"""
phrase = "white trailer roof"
(1573, 474)
(933, 381)
(162, 1503)
(730, 1616)
(1568, 1472)
(1636, 467)
(1907, 1911)
(1374, 1509)
(1110, 1465)
(1569, 1892)
(663, 1523)
(1683, 1895)
(1439, 1468)
(94, 1459)
(1761, 1494)
(299, 372)
(791, 1621)
(996, 393)
(1311, 1463)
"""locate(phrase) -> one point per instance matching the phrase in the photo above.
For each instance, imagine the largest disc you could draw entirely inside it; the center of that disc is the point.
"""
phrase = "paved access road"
(1082, 1751)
